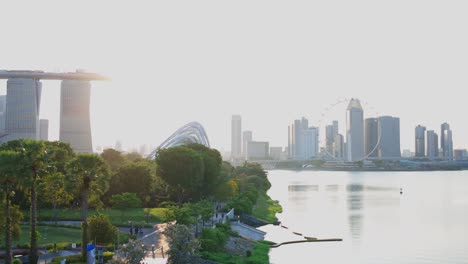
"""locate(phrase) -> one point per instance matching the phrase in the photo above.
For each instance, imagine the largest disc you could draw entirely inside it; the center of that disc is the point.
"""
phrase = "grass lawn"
(266, 208)
(117, 216)
(50, 235)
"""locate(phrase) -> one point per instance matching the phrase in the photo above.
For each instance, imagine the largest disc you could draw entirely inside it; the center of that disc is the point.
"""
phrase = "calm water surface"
(427, 224)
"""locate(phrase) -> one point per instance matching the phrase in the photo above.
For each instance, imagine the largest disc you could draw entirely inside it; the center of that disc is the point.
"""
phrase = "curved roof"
(192, 132)
(354, 104)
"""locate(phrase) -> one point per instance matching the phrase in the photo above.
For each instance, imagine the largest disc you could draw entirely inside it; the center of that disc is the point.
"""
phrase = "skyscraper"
(355, 130)
(420, 138)
(246, 137)
(236, 136)
(75, 124)
(310, 143)
(2, 113)
(371, 137)
(389, 131)
(44, 129)
(446, 143)
(432, 145)
(22, 109)
(339, 147)
(331, 131)
(302, 140)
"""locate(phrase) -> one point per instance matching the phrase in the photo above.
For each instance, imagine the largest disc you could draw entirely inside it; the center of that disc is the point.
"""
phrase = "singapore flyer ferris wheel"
(349, 130)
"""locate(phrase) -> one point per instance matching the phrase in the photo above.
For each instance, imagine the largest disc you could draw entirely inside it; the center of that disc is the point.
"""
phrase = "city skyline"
(296, 67)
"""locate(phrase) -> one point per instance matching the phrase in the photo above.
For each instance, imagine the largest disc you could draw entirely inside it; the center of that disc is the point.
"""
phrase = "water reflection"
(427, 224)
(355, 206)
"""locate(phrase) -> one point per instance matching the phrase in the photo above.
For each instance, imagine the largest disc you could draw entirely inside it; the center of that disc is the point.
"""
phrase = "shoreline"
(364, 169)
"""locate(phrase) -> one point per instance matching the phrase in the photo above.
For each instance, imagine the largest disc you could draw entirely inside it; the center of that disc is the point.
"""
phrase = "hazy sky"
(172, 62)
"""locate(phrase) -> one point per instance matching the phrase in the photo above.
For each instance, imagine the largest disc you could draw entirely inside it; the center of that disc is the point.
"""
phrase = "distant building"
(355, 131)
(389, 131)
(371, 137)
(331, 131)
(246, 137)
(420, 138)
(460, 154)
(75, 122)
(310, 147)
(258, 150)
(446, 143)
(302, 140)
(44, 129)
(339, 147)
(2, 113)
(118, 146)
(22, 109)
(236, 136)
(432, 150)
(407, 153)
(276, 153)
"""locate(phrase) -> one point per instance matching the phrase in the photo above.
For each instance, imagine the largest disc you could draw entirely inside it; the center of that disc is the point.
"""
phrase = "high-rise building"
(331, 131)
(236, 137)
(339, 147)
(302, 140)
(75, 124)
(460, 154)
(310, 143)
(446, 143)
(389, 131)
(329, 139)
(420, 138)
(22, 109)
(246, 137)
(276, 153)
(2, 113)
(258, 150)
(371, 137)
(432, 150)
(355, 131)
(44, 129)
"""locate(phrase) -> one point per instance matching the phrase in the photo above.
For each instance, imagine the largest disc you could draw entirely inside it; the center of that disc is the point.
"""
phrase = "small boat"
(401, 191)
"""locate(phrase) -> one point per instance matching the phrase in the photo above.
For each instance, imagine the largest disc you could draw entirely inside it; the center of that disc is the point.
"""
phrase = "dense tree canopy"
(212, 163)
(113, 158)
(133, 178)
(183, 169)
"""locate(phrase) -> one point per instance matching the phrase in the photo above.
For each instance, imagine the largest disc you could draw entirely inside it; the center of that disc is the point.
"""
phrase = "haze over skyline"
(273, 62)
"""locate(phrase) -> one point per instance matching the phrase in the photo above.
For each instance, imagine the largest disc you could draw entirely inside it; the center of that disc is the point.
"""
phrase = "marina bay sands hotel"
(19, 109)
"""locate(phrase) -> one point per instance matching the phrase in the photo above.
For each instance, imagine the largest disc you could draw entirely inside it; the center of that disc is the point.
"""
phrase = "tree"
(183, 169)
(125, 200)
(227, 190)
(133, 157)
(129, 253)
(32, 166)
(52, 189)
(101, 229)
(212, 162)
(113, 158)
(87, 172)
(183, 246)
(133, 178)
(8, 179)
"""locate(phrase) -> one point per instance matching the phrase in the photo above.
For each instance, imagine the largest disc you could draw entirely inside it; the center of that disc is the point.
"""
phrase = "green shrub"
(259, 254)
(17, 261)
(213, 239)
(101, 229)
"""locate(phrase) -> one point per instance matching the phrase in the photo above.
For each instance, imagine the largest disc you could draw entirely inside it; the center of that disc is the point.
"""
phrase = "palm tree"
(32, 165)
(8, 178)
(87, 172)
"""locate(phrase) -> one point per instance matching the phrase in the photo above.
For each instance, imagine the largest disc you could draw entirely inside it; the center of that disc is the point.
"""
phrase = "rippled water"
(428, 223)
